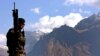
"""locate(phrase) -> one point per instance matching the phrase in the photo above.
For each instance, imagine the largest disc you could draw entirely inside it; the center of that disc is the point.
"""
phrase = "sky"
(45, 15)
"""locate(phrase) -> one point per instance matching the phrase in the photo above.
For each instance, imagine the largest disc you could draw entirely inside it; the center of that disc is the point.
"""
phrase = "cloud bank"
(46, 23)
(2, 39)
(81, 2)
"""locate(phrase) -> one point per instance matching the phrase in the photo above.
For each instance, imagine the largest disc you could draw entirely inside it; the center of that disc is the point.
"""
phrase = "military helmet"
(21, 20)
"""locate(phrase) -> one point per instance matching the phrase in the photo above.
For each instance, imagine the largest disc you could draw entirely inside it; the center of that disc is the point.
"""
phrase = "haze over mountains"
(31, 39)
(83, 40)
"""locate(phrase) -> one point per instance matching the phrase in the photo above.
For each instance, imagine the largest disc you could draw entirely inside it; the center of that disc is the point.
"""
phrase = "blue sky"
(44, 15)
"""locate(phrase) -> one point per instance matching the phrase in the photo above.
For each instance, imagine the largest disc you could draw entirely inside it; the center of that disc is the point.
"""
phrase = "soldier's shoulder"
(11, 30)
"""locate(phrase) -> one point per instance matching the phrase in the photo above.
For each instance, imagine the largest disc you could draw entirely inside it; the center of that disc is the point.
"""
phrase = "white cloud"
(36, 10)
(81, 2)
(3, 47)
(80, 10)
(72, 19)
(46, 24)
(97, 4)
(85, 11)
(2, 39)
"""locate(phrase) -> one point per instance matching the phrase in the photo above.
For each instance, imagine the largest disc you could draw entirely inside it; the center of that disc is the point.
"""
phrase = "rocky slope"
(83, 40)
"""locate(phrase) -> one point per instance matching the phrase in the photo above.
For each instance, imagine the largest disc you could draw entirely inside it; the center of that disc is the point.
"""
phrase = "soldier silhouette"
(16, 43)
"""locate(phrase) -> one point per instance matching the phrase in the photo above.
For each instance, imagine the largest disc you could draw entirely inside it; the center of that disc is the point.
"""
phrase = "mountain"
(63, 41)
(92, 34)
(83, 40)
(89, 23)
(31, 39)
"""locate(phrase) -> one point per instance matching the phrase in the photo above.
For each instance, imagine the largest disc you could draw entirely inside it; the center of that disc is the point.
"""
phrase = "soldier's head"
(21, 23)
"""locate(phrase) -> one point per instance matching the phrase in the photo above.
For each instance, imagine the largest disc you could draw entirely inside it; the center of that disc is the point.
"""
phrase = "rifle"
(15, 17)
(15, 24)
(15, 21)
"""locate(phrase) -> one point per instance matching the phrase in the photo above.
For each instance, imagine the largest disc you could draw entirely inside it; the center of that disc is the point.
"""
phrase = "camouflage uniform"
(15, 43)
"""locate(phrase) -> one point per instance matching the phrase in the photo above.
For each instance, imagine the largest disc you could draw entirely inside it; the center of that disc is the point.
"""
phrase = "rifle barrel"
(14, 5)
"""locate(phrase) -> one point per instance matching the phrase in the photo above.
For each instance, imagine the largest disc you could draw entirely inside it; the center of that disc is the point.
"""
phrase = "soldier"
(16, 43)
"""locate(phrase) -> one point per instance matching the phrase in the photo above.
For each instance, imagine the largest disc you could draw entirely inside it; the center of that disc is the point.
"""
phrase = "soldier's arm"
(9, 36)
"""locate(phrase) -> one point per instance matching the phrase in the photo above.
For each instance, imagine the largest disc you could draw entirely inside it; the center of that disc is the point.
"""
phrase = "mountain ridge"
(67, 41)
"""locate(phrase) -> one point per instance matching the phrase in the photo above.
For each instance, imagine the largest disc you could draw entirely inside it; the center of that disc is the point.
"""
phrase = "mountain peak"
(90, 22)
(65, 41)
(95, 17)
